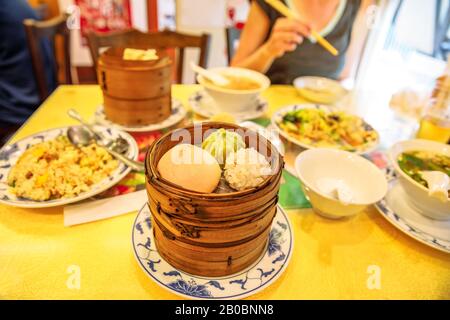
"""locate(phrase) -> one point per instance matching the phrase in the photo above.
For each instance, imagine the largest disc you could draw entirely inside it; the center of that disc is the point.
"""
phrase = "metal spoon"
(119, 145)
(80, 136)
(75, 115)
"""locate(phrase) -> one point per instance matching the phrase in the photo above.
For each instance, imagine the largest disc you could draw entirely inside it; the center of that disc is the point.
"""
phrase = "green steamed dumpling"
(221, 143)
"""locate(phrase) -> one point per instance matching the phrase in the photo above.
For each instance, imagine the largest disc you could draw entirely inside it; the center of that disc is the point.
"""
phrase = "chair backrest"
(158, 40)
(36, 31)
(232, 36)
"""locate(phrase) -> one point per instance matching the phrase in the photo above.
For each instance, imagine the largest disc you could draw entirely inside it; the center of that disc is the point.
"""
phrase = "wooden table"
(331, 259)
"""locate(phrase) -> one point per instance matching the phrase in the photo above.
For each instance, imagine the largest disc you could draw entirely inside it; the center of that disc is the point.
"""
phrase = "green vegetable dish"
(321, 128)
(413, 162)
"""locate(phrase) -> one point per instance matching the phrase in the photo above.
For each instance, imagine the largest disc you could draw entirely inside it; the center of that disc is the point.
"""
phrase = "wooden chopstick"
(285, 11)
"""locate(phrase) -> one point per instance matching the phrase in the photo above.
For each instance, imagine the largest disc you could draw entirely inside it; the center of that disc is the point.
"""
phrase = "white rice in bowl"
(56, 169)
(245, 169)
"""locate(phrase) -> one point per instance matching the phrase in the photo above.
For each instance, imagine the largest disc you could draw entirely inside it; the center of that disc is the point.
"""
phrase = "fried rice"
(56, 169)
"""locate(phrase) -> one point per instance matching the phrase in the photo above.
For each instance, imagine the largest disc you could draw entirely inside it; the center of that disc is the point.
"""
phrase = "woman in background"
(19, 96)
(282, 48)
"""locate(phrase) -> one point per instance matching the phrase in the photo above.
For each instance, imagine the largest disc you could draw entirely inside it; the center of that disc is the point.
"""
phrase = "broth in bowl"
(413, 162)
(237, 83)
(408, 159)
(240, 95)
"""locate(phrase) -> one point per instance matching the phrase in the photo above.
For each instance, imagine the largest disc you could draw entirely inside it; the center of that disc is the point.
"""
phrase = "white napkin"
(104, 208)
(336, 188)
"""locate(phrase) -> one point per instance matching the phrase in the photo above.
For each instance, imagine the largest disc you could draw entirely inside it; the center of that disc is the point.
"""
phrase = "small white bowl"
(319, 89)
(235, 101)
(418, 194)
(366, 182)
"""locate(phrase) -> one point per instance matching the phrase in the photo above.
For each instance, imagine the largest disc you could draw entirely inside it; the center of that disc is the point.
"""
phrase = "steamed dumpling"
(221, 143)
(191, 168)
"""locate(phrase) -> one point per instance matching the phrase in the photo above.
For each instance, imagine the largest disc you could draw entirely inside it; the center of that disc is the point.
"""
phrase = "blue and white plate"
(203, 105)
(178, 114)
(9, 155)
(396, 209)
(277, 118)
(237, 286)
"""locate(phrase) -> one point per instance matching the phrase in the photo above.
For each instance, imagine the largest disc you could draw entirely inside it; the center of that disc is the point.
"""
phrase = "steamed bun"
(191, 168)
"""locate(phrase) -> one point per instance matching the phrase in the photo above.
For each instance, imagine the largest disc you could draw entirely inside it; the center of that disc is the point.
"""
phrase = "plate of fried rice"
(46, 170)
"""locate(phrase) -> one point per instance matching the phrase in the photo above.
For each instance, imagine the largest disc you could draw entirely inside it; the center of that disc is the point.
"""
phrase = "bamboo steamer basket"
(211, 234)
(135, 92)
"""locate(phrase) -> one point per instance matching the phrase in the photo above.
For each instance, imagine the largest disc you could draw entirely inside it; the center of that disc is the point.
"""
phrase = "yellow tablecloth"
(331, 259)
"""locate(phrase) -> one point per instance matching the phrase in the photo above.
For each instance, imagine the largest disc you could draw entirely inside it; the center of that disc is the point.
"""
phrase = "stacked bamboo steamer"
(211, 234)
(135, 92)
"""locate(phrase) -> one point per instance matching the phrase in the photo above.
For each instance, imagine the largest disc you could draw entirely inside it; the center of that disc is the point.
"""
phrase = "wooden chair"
(36, 31)
(158, 40)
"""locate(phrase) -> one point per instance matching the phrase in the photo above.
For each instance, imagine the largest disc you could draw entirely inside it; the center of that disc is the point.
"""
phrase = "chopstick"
(281, 8)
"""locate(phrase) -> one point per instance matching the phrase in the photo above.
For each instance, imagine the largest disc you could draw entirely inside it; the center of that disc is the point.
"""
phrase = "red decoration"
(103, 16)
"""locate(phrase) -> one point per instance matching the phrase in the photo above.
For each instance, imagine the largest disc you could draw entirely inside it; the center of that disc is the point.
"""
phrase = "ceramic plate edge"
(245, 295)
(147, 128)
(38, 205)
(253, 115)
(391, 221)
(370, 149)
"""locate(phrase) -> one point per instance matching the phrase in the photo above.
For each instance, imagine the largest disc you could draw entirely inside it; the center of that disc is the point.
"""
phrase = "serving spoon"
(80, 136)
(75, 115)
(214, 77)
(119, 145)
(438, 184)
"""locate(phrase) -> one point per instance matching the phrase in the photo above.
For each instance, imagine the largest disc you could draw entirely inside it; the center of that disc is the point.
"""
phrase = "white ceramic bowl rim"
(414, 145)
(262, 79)
(300, 82)
(370, 166)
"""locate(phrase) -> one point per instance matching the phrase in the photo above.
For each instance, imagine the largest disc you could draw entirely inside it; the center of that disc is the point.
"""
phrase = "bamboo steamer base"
(211, 235)
(214, 234)
(210, 268)
(137, 112)
(209, 254)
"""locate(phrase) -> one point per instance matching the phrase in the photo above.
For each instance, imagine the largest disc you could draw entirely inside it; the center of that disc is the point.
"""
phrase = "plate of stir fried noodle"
(319, 126)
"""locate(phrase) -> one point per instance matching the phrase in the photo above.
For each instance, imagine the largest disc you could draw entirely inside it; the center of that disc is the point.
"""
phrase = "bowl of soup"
(412, 157)
(242, 91)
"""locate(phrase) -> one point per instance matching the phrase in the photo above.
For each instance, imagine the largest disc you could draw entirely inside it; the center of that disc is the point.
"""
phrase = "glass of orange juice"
(435, 126)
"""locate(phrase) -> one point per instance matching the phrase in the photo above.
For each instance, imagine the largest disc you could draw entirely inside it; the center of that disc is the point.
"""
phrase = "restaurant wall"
(198, 16)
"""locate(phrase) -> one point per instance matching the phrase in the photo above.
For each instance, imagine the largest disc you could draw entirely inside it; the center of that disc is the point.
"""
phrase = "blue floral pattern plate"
(396, 209)
(203, 105)
(261, 274)
(178, 114)
(277, 118)
(9, 155)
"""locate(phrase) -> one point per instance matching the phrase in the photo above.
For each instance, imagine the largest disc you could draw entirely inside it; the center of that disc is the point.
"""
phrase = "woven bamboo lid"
(113, 58)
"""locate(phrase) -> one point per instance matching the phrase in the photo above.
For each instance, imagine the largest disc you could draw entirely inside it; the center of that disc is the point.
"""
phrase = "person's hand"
(286, 35)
